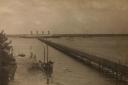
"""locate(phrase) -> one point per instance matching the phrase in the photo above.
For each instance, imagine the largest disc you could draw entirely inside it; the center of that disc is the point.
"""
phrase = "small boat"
(21, 55)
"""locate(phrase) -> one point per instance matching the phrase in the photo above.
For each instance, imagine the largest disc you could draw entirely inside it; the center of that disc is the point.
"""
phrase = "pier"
(118, 70)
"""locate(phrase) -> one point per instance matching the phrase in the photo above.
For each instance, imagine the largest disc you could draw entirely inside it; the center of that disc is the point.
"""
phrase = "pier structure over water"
(116, 70)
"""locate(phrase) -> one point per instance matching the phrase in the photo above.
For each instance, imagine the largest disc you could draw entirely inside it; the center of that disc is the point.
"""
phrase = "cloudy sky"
(64, 16)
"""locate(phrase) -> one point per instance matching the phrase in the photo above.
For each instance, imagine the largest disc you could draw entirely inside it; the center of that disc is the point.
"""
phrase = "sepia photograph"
(63, 42)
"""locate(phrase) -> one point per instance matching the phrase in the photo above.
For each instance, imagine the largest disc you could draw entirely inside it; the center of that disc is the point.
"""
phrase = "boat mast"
(47, 54)
(44, 54)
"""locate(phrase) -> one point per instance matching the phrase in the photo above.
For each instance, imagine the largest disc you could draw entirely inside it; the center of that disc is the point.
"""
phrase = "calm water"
(66, 70)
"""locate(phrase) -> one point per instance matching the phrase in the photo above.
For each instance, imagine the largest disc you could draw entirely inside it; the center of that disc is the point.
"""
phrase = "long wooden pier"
(116, 69)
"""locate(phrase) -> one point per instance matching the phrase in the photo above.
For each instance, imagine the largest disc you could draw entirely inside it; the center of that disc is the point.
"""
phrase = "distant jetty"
(65, 35)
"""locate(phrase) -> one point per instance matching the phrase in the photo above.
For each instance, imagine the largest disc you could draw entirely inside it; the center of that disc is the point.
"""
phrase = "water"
(67, 71)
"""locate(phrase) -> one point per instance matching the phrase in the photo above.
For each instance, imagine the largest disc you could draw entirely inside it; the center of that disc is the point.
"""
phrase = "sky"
(64, 16)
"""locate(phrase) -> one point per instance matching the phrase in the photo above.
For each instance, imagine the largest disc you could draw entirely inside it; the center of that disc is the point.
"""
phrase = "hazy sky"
(64, 16)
